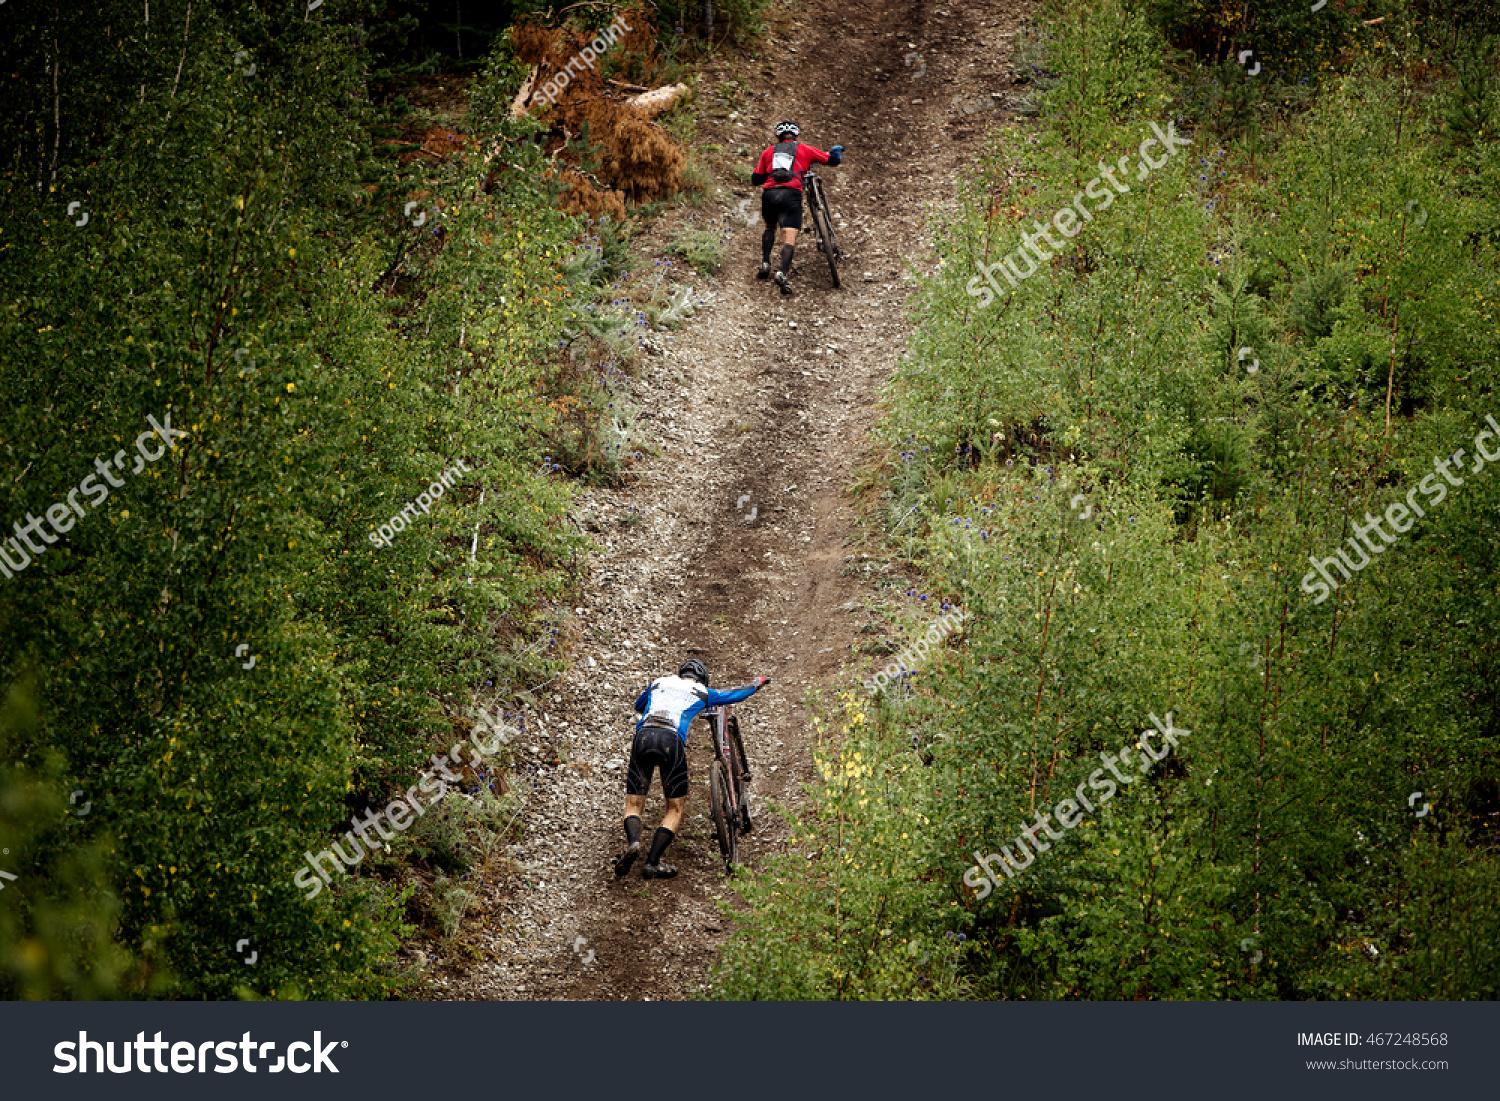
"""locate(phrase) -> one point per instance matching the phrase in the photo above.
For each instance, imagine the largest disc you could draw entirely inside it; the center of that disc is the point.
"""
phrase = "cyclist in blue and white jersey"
(667, 708)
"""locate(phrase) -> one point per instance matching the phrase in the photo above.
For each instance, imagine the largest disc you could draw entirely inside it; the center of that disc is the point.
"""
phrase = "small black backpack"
(783, 156)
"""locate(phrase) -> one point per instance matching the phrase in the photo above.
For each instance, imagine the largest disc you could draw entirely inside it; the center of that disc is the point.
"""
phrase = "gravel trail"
(746, 552)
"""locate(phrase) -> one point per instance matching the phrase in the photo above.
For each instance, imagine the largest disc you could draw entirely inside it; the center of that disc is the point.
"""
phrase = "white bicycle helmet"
(785, 130)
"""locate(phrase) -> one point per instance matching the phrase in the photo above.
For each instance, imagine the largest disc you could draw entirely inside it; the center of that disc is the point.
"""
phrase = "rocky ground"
(739, 544)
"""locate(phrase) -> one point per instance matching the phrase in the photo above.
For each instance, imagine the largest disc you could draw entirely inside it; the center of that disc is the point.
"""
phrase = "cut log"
(657, 100)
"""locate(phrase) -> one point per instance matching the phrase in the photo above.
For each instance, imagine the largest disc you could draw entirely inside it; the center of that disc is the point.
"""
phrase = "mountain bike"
(822, 220)
(728, 779)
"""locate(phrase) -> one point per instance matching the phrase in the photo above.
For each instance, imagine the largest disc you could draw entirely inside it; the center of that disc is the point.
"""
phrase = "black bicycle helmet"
(695, 669)
(785, 130)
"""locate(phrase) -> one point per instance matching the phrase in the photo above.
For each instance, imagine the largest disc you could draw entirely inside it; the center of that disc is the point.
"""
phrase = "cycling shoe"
(627, 859)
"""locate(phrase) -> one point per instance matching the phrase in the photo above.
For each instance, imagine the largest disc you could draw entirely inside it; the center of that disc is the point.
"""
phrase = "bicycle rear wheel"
(725, 825)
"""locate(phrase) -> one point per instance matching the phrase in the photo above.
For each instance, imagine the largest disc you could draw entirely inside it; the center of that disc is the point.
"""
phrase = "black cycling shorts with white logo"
(657, 747)
(782, 206)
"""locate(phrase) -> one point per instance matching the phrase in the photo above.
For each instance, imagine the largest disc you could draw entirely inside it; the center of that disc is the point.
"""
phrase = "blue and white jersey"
(676, 701)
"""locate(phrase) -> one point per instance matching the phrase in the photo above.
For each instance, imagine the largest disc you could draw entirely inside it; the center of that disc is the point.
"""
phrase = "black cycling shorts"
(782, 206)
(657, 747)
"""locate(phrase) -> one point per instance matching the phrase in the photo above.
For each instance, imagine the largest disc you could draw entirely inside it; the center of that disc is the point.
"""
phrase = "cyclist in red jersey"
(779, 175)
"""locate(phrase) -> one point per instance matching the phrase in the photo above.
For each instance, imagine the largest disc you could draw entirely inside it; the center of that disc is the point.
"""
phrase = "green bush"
(224, 660)
(702, 248)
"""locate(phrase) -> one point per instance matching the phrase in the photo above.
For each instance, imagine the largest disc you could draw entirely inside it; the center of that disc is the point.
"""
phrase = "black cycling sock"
(786, 258)
(659, 844)
(632, 829)
(767, 239)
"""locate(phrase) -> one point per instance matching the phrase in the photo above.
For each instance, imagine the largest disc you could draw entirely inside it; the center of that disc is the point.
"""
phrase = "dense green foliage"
(329, 332)
(1120, 468)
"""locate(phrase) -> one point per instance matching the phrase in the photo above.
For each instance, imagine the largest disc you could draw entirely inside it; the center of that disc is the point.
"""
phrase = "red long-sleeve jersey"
(807, 155)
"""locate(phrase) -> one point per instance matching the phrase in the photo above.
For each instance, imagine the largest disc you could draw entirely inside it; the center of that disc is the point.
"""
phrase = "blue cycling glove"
(836, 155)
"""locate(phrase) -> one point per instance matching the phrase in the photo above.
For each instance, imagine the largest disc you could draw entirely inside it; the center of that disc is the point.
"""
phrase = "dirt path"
(763, 405)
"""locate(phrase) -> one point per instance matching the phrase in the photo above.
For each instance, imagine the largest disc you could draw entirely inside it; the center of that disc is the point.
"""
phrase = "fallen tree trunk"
(657, 100)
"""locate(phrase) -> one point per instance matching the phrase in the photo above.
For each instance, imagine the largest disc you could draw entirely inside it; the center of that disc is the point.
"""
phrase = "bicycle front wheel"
(742, 776)
(826, 241)
(725, 825)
